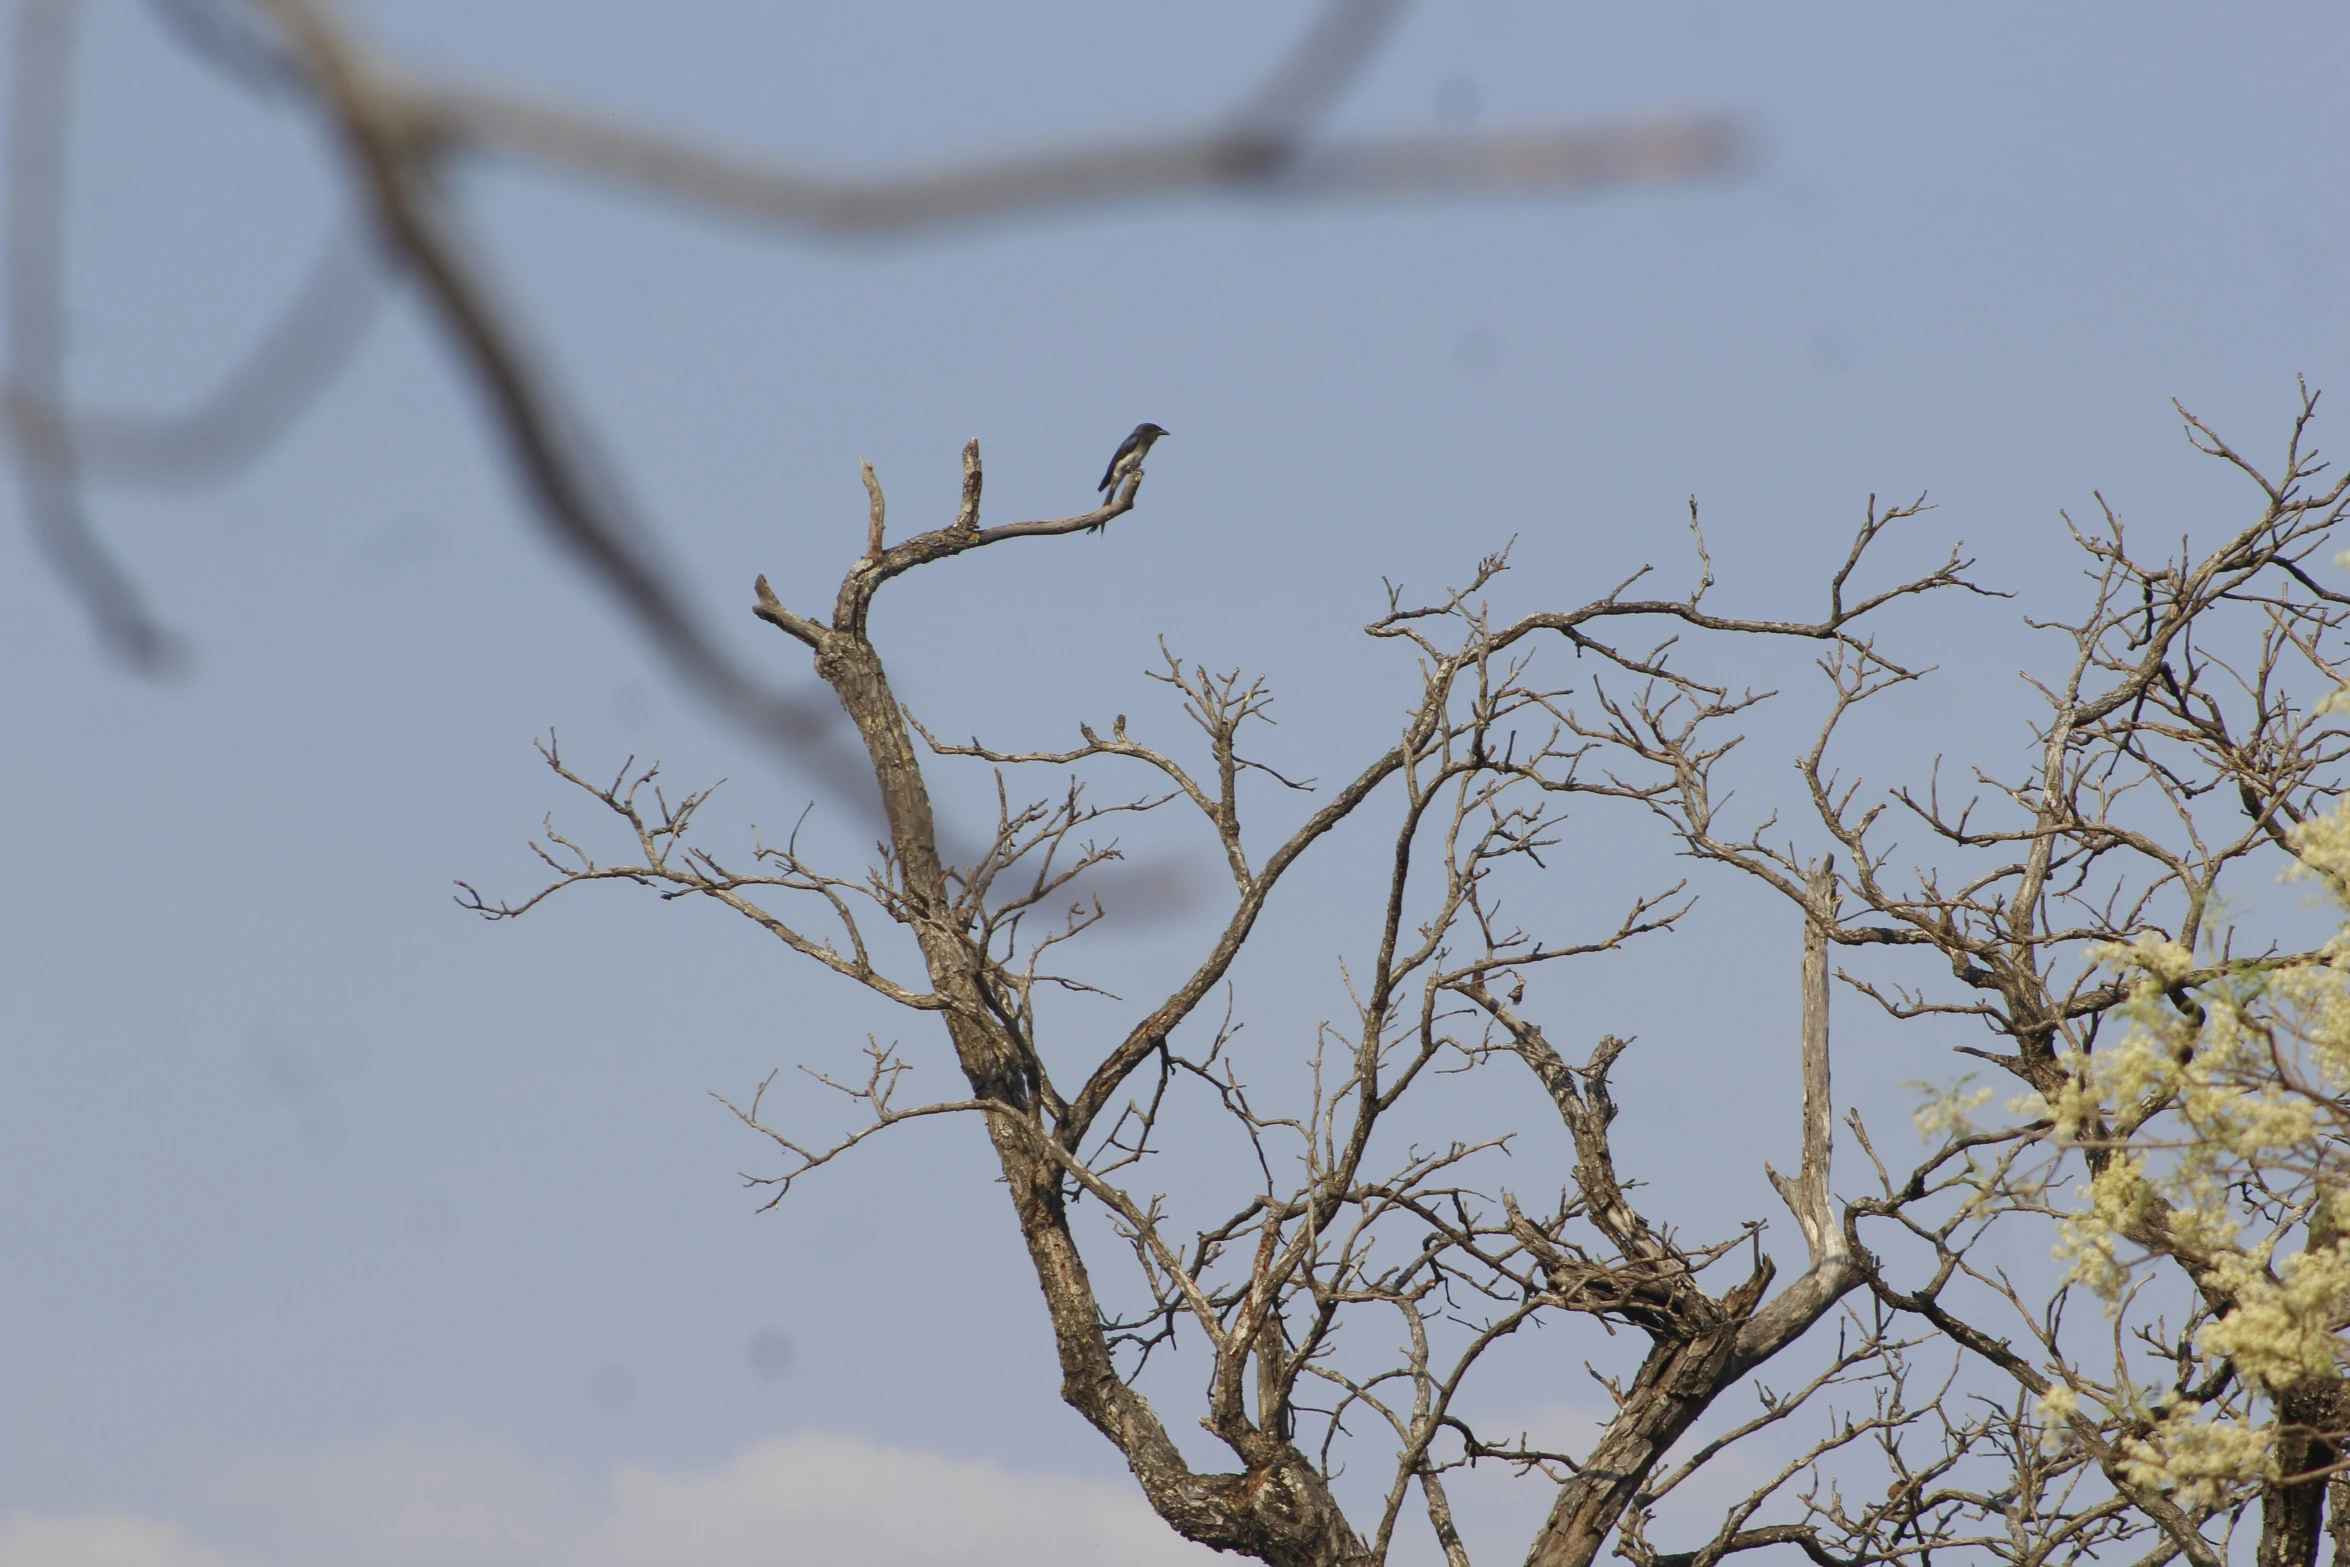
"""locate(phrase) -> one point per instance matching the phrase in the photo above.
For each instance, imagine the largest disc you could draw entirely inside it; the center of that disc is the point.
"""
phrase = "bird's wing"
(1111, 472)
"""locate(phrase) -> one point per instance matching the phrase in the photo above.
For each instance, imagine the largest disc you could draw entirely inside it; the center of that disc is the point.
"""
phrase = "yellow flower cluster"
(1949, 1111)
(2281, 1329)
(2195, 1461)
(2118, 1200)
(2322, 845)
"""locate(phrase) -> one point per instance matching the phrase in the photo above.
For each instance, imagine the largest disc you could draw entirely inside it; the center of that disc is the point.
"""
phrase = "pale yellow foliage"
(2197, 1462)
(2058, 1406)
(1950, 1111)
(2214, 1124)
(2116, 1202)
(2281, 1330)
(2222, 1076)
(2322, 844)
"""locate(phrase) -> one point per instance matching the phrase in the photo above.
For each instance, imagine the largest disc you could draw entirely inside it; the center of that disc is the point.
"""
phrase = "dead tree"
(1938, 1404)
(1280, 1288)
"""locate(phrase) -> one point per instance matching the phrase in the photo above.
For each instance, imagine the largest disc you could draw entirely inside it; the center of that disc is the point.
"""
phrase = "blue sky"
(304, 1173)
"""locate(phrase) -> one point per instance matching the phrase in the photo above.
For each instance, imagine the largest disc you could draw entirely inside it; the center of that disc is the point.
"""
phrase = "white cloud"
(463, 1501)
(822, 1499)
(452, 1499)
(101, 1540)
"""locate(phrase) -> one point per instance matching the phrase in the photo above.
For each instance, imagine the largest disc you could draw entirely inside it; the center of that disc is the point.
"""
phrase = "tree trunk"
(1280, 1510)
(2309, 1443)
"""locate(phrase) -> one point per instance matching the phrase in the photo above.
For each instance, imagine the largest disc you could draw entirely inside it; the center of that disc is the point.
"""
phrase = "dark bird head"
(1144, 434)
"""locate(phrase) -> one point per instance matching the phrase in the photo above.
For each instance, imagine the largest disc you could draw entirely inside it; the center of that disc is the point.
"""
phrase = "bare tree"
(1344, 1298)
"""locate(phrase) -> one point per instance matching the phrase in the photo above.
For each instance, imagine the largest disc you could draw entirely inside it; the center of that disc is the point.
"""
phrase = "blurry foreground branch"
(402, 135)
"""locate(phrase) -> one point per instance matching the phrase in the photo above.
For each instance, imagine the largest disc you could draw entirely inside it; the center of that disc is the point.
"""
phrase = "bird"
(1128, 458)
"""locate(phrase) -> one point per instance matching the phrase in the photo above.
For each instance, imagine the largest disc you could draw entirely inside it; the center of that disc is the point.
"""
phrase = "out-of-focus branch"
(1318, 69)
(577, 496)
(1524, 162)
(47, 463)
(54, 446)
(402, 132)
(279, 379)
(1261, 144)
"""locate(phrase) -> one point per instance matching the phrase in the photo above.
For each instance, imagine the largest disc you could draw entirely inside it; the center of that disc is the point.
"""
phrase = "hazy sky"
(336, 1226)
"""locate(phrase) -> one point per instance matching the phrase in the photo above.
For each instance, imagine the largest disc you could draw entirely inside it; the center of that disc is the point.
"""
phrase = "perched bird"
(1128, 458)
